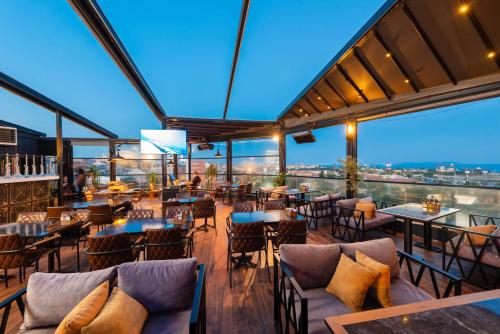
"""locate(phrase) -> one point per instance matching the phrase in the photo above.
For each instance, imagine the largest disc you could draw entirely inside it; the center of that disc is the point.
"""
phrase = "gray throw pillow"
(51, 296)
(160, 285)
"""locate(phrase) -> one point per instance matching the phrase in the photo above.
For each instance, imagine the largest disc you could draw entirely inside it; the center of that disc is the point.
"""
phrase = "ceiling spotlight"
(388, 55)
(407, 81)
(491, 54)
(307, 115)
(319, 97)
(301, 110)
(328, 108)
(463, 9)
(276, 137)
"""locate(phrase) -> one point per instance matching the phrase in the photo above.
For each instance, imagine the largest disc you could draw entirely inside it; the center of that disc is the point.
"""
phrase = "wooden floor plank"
(224, 311)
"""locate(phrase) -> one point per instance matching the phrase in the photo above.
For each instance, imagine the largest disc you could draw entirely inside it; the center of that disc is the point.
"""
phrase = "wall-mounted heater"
(8, 136)
(304, 137)
(205, 146)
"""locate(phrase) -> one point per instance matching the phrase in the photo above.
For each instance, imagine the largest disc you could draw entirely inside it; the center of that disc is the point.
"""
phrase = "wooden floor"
(246, 308)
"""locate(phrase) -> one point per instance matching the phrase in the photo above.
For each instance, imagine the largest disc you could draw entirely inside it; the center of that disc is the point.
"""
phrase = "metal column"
(59, 153)
(282, 153)
(351, 157)
(229, 161)
(189, 161)
(176, 167)
(164, 159)
(112, 164)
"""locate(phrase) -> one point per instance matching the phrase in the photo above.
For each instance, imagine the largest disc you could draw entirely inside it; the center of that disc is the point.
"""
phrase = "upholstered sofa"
(302, 272)
(351, 225)
(477, 263)
(172, 291)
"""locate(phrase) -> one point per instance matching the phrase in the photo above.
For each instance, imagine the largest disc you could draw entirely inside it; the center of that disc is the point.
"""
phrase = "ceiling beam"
(372, 72)
(323, 98)
(92, 15)
(308, 100)
(43, 101)
(353, 84)
(239, 38)
(329, 84)
(395, 60)
(427, 41)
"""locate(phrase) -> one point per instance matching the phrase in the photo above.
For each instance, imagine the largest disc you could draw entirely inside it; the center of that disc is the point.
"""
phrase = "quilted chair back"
(165, 244)
(109, 250)
(183, 195)
(101, 214)
(140, 214)
(274, 205)
(248, 237)
(292, 232)
(243, 207)
(204, 208)
(11, 251)
(31, 217)
(248, 188)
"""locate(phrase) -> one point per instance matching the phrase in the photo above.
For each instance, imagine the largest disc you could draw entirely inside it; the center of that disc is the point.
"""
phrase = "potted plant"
(350, 166)
(279, 180)
(210, 174)
(152, 181)
(95, 176)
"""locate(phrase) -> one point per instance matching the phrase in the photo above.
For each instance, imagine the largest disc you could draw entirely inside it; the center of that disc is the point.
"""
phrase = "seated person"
(81, 181)
(195, 182)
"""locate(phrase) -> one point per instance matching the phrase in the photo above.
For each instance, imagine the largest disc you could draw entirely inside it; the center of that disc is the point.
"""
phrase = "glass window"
(255, 161)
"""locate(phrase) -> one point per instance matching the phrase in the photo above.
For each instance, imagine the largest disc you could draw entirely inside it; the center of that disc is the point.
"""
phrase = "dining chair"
(167, 244)
(54, 212)
(243, 207)
(204, 209)
(102, 215)
(111, 250)
(138, 214)
(246, 238)
(274, 205)
(74, 234)
(289, 232)
(31, 217)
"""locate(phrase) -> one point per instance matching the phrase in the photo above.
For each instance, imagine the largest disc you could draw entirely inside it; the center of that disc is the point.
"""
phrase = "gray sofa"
(302, 273)
(173, 292)
(348, 227)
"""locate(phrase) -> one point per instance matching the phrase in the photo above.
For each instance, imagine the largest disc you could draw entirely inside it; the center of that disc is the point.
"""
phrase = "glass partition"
(92, 158)
(255, 161)
(136, 168)
(202, 159)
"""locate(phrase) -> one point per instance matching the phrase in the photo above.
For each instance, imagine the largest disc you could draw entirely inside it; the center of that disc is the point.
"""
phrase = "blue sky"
(184, 50)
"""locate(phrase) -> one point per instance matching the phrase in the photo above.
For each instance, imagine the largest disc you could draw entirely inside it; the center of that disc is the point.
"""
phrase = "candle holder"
(26, 167)
(17, 170)
(42, 166)
(7, 166)
(33, 166)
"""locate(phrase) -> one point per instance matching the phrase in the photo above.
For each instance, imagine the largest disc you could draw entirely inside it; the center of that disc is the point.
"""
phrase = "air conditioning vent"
(8, 136)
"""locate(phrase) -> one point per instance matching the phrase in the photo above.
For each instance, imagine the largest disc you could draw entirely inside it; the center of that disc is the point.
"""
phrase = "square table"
(139, 226)
(413, 212)
(268, 217)
(466, 314)
(85, 205)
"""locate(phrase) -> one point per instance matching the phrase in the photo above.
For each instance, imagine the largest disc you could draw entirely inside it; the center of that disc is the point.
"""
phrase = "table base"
(243, 261)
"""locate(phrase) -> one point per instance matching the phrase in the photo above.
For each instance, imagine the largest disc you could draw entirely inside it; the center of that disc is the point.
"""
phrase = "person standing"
(81, 181)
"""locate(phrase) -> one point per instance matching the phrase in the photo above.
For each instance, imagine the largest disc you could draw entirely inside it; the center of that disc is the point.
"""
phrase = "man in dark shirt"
(81, 181)
(195, 182)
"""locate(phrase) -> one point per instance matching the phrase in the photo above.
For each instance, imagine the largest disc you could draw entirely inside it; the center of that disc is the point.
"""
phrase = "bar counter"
(24, 194)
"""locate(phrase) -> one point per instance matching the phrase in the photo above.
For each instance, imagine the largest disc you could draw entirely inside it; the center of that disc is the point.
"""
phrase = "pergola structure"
(412, 55)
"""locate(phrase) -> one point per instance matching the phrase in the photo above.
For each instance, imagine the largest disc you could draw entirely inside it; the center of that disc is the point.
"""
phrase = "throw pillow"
(85, 311)
(367, 208)
(122, 314)
(351, 282)
(381, 287)
(479, 240)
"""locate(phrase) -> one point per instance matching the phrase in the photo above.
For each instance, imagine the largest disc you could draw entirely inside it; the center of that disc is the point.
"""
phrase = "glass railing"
(482, 201)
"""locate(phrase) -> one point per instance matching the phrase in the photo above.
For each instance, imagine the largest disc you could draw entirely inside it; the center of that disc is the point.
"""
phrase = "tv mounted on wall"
(163, 142)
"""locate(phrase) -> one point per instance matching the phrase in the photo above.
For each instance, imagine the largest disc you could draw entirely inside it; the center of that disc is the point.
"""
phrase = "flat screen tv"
(163, 142)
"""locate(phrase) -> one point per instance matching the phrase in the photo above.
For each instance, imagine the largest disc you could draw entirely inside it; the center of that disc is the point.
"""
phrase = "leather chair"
(54, 212)
(111, 250)
(167, 244)
(31, 217)
(274, 205)
(140, 214)
(204, 209)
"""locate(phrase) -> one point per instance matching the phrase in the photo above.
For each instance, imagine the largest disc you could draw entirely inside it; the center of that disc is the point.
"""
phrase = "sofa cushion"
(336, 196)
(348, 203)
(316, 213)
(351, 281)
(311, 265)
(381, 250)
(403, 292)
(50, 297)
(85, 311)
(166, 323)
(39, 330)
(381, 287)
(161, 285)
(379, 219)
(280, 188)
(122, 314)
(321, 198)
(367, 208)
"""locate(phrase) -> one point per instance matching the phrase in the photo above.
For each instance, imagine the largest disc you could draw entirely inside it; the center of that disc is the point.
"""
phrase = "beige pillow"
(381, 287)
(479, 240)
(351, 282)
(367, 208)
(122, 314)
(85, 311)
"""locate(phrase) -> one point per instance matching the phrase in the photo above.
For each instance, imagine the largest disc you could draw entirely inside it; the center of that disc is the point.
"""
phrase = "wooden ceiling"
(410, 50)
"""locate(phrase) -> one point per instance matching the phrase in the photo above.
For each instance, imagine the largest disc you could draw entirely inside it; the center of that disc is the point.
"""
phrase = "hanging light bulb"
(218, 154)
(116, 157)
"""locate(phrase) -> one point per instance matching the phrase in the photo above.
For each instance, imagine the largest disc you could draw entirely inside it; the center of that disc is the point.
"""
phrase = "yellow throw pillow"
(122, 314)
(351, 282)
(479, 240)
(85, 311)
(382, 285)
(367, 208)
